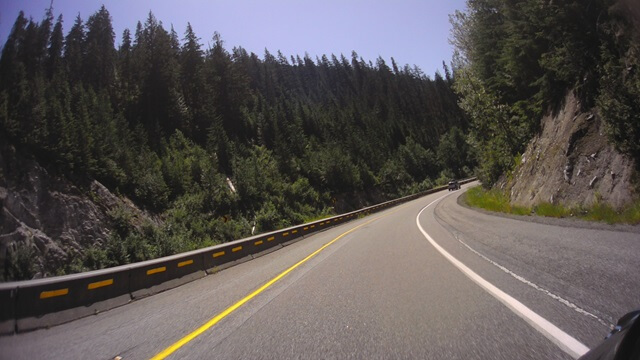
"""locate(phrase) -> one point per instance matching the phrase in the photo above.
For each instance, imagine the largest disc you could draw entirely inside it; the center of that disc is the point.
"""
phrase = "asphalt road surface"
(380, 291)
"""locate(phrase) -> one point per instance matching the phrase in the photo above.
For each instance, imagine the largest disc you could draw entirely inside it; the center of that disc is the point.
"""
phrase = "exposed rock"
(49, 214)
(570, 139)
(567, 172)
(232, 188)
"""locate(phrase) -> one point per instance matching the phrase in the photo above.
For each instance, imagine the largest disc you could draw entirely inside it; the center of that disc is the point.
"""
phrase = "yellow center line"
(180, 343)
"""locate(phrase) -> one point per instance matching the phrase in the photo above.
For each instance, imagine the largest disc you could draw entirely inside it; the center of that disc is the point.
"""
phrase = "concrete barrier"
(51, 301)
(7, 310)
(153, 276)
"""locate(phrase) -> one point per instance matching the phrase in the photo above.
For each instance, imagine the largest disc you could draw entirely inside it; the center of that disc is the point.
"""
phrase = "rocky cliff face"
(48, 216)
(571, 162)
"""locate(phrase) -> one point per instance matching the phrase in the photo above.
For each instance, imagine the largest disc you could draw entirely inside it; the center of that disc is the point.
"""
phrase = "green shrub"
(493, 200)
(551, 210)
(631, 215)
(444, 177)
(19, 264)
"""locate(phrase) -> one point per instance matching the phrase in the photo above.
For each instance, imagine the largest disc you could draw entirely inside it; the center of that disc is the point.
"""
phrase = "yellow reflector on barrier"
(156, 270)
(99, 284)
(53, 293)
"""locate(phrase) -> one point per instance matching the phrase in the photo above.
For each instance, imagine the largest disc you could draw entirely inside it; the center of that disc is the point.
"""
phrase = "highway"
(377, 288)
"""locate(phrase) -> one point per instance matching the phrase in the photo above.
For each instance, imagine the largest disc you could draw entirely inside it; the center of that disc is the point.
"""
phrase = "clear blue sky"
(411, 31)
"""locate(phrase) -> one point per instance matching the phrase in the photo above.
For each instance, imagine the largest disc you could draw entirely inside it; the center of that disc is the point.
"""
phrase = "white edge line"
(563, 340)
(558, 298)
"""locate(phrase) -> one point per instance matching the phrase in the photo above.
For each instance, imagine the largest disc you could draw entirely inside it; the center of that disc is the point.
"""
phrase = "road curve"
(380, 291)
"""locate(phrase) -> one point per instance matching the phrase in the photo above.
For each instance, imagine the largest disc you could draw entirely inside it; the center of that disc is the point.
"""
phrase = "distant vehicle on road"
(454, 185)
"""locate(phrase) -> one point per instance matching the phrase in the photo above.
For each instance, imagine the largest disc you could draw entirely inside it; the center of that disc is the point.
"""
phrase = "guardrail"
(32, 304)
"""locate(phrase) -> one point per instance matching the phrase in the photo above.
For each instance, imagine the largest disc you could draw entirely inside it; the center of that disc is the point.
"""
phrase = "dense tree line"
(172, 125)
(516, 60)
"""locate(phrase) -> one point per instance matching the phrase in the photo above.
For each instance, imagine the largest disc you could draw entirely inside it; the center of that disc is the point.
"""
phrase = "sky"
(413, 32)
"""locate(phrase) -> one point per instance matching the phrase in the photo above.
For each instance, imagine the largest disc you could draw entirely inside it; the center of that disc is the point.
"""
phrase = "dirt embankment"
(570, 162)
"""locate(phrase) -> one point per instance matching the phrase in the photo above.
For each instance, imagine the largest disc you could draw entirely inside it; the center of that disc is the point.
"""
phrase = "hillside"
(46, 221)
(552, 90)
(200, 146)
(571, 162)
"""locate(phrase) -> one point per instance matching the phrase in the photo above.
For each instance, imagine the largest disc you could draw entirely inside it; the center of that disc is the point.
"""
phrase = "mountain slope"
(516, 62)
(571, 162)
(213, 144)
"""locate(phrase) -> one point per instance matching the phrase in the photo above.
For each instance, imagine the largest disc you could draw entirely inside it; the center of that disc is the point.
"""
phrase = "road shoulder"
(564, 222)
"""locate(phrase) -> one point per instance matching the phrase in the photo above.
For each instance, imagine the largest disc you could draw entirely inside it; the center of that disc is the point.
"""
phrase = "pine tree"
(194, 88)
(74, 51)
(56, 46)
(100, 56)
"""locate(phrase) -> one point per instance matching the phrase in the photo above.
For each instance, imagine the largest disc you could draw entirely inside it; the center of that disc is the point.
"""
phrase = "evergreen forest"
(214, 141)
